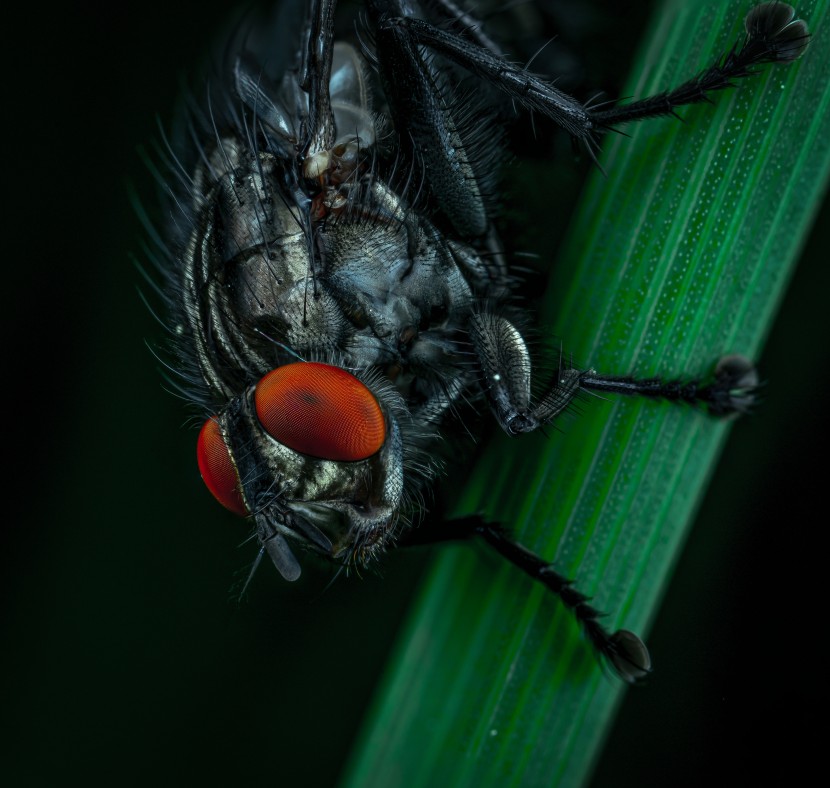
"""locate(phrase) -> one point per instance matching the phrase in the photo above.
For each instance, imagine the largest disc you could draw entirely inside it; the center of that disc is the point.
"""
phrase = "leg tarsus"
(733, 389)
(625, 652)
(773, 35)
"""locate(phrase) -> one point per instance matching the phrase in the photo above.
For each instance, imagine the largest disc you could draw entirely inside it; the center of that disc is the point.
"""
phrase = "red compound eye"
(320, 410)
(217, 469)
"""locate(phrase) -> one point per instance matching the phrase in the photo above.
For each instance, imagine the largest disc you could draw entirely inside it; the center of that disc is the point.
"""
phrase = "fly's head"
(316, 457)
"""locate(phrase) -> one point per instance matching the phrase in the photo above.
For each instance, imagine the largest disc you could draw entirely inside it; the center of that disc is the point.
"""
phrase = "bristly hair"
(189, 157)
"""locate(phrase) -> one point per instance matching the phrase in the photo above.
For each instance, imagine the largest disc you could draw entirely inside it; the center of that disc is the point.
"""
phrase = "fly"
(339, 290)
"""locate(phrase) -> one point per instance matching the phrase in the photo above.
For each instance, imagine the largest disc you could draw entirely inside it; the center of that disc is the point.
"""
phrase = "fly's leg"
(442, 132)
(626, 653)
(731, 391)
(316, 73)
(773, 34)
(396, 32)
(506, 377)
(448, 13)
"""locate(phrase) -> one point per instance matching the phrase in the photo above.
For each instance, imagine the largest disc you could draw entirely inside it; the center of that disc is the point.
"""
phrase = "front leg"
(506, 377)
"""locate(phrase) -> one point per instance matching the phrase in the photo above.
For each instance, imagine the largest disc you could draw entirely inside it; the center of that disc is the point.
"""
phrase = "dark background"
(126, 657)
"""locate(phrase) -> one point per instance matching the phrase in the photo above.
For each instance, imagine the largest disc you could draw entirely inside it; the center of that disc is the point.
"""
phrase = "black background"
(125, 658)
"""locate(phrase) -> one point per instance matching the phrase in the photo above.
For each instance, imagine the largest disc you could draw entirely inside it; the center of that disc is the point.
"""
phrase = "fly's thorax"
(389, 292)
(394, 274)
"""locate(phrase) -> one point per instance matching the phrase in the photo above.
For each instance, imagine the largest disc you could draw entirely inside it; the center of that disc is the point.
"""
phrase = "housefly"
(338, 288)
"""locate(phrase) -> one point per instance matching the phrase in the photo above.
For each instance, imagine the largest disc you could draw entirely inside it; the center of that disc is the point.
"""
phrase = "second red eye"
(320, 410)
(217, 468)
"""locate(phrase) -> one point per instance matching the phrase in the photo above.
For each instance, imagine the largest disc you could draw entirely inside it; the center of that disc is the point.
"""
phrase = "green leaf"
(679, 256)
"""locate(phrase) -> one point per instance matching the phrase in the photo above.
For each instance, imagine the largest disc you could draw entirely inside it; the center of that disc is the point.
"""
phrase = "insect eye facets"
(217, 469)
(320, 410)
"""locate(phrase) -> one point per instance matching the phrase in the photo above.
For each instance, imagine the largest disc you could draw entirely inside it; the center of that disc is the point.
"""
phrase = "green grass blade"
(680, 255)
